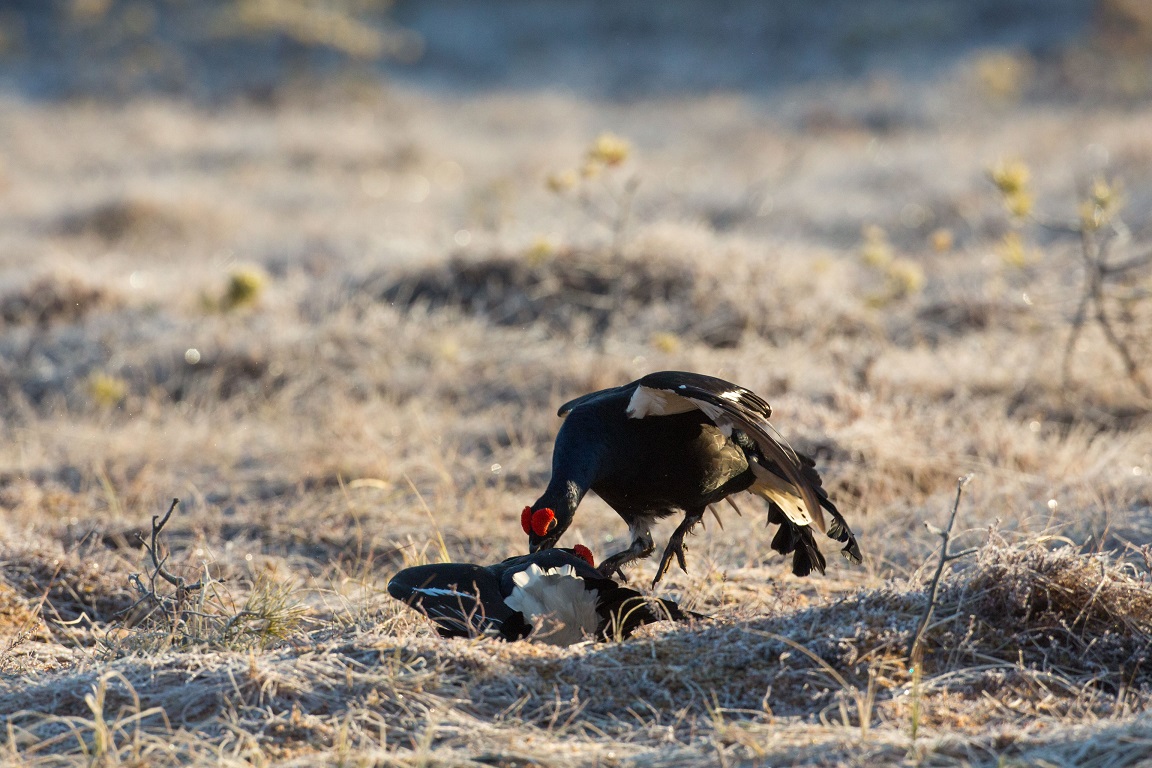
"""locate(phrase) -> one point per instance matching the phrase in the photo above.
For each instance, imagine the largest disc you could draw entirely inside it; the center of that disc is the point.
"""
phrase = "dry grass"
(340, 335)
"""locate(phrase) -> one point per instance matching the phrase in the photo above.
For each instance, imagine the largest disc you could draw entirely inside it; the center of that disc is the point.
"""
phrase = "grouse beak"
(547, 542)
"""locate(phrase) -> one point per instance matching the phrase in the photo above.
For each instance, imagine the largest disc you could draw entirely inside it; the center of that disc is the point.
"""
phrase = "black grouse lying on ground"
(675, 442)
(556, 596)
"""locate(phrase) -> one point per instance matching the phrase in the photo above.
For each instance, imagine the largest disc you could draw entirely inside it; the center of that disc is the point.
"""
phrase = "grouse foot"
(676, 545)
(641, 547)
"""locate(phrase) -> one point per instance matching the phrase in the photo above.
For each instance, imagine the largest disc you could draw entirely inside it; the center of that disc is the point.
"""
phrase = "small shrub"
(244, 289)
(106, 390)
(1099, 231)
(902, 277)
(170, 611)
(608, 201)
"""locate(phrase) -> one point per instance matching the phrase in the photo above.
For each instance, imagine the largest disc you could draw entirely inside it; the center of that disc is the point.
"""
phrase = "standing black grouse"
(555, 596)
(675, 442)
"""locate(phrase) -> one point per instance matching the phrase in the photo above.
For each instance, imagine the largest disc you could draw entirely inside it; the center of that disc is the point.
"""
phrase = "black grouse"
(675, 442)
(555, 596)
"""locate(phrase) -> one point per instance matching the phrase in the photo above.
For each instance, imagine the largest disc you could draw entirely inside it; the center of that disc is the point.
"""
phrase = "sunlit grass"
(384, 395)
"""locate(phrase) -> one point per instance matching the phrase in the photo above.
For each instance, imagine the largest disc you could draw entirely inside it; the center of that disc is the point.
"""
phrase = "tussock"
(1084, 616)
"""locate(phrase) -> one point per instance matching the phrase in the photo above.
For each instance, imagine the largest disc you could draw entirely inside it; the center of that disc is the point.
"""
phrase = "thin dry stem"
(934, 585)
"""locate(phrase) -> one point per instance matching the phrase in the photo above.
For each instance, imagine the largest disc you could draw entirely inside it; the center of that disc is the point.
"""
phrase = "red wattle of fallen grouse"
(673, 443)
(555, 596)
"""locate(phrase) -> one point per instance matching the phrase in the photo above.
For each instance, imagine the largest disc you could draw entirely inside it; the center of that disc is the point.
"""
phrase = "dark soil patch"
(574, 293)
(119, 220)
(945, 320)
(52, 300)
(222, 376)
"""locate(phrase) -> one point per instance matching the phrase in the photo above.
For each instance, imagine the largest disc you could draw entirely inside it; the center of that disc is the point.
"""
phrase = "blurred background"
(436, 198)
(221, 49)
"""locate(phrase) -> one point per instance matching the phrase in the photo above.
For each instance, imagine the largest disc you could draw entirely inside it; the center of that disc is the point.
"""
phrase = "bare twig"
(1134, 263)
(945, 558)
(1095, 245)
(1093, 296)
(149, 593)
(1131, 367)
(623, 214)
(176, 581)
(163, 603)
(1077, 326)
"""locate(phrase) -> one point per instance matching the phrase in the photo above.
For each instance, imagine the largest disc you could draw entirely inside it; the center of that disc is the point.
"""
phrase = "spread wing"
(591, 397)
(462, 600)
(781, 476)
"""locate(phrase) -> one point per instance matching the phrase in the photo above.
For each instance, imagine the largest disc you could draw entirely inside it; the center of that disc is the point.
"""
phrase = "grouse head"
(544, 528)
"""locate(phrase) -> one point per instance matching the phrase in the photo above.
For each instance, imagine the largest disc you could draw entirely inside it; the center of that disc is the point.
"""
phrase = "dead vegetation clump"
(943, 321)
(1061, 610)
(218, 376)
(54, 299)
(20, 622)
(73, 590)
(574, 293)
(71, 375)
(171, 610)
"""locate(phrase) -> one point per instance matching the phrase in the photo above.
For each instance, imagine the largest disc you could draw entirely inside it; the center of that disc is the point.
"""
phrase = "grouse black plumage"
(676, 442)
(554, 595)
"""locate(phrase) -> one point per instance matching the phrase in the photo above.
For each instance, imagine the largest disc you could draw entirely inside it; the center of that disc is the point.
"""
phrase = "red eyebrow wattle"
(543, 520)
(584, 553)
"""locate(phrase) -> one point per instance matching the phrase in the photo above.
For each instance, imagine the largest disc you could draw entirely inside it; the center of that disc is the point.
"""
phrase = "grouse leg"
(676, 544)
(642, 546)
